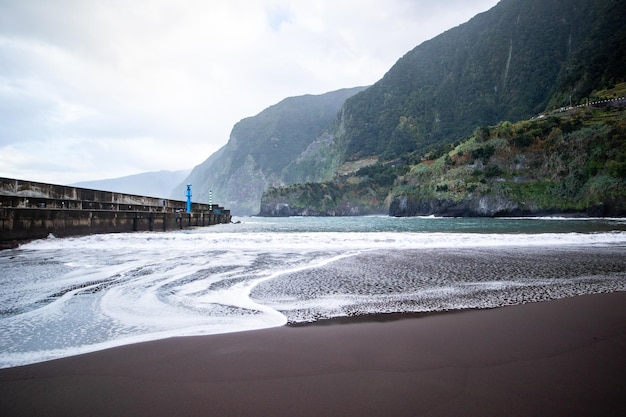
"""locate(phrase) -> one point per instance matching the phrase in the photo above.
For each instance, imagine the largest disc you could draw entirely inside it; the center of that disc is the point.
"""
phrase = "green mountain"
(511, 63)
(262, 151)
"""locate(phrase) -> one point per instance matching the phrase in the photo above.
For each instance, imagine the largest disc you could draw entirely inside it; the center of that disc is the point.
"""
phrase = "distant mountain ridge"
(149, 184)
(261, 150)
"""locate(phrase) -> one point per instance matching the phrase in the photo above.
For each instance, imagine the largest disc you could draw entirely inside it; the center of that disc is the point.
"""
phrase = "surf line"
(245, 288)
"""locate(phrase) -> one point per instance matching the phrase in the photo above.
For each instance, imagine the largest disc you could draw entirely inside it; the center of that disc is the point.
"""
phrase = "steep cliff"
(516, 61)
(263, 150)
(366, 148)
(569, 162)
(512, 62)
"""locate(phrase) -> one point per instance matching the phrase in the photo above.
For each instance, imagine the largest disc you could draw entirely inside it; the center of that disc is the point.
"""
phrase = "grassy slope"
(568, 162)
(572, 161)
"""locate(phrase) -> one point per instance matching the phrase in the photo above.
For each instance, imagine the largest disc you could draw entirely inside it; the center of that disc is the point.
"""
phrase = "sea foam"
(62, 297)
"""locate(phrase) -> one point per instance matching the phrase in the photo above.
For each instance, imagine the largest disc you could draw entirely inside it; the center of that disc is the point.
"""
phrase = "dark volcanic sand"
(557, 358)
(443, 279)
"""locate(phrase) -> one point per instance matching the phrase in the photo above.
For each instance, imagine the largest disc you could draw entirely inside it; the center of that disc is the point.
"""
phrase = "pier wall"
(31, 210)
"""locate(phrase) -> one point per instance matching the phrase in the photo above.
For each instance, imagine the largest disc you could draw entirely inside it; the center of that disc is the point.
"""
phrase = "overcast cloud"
(94, 89)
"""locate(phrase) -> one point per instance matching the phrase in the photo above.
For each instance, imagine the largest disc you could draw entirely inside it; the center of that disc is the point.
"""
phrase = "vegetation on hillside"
(515, 61)
(520, 59)
(558, 164)
(569, 162)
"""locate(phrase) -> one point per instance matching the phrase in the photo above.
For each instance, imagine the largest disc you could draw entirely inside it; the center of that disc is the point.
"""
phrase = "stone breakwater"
(31, 210)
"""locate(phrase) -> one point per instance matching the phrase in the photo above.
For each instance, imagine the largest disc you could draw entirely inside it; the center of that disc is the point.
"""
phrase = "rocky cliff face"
(572, 162)
(509, 63)
(471, 206)
(286, 143)
(496, 206)
(281, 207)
(513, 62)
(321, 199)
(565, 164)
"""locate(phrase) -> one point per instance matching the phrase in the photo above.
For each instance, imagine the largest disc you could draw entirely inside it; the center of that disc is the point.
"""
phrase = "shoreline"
(383, 317)
(559, 357)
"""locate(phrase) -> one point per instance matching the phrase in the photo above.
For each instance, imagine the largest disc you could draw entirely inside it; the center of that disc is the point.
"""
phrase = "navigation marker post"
(188, 198)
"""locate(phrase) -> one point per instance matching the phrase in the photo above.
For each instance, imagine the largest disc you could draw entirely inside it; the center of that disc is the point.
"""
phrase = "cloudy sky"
(94, 89)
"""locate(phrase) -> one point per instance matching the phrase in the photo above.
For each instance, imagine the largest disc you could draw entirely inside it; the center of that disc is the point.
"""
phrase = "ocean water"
(61, 297)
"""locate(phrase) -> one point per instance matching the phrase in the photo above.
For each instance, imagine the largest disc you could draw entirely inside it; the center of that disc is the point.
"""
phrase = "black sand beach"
(558, 358)
(441, 279)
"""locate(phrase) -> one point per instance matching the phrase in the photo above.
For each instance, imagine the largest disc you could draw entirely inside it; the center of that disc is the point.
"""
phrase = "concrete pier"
(31, 210)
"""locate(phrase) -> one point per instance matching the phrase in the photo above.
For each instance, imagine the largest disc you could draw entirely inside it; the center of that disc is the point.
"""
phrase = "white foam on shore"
(62, 297)
(182, 244)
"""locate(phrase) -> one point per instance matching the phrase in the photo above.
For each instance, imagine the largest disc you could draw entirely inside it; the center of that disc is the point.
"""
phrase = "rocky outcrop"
(492, 206)
(484, 206)
(286, 208)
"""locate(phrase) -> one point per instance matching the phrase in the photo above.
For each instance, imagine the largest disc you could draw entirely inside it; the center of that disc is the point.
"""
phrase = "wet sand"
(558, 358)
(443, 279)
